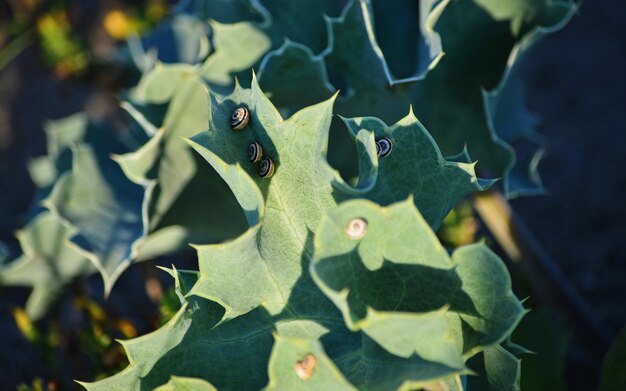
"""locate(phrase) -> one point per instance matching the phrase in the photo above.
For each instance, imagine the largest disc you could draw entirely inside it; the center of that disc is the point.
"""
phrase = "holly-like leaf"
(395, 281)
(506, 111)
(48, 263)
(423, 172)
(105, 208)
(303, 186)
(181, 39)
(176, 190)
(293, 68)
(408, 37)
(261, 279)
(310, 28)
(498, 371)
(447, 95)
(238, 47)
(302, 364)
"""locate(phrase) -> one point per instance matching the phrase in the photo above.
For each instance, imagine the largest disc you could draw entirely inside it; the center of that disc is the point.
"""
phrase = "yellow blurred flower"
(117, 24)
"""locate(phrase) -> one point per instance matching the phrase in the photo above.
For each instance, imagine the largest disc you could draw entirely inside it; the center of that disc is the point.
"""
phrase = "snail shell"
(266, 169)
(240, 118)
(306, 366)
(357, 228)
(255, 152)
(383, 147)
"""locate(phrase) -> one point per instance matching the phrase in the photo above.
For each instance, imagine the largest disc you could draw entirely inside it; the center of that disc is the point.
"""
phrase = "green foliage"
(326, 274)
(48, 261)
(280, 296)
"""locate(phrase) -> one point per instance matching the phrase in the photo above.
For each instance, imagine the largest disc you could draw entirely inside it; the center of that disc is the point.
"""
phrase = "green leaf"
(261, 279)
(224, 11)
(447, 95)
(291, 69)
(507, 114)
(158, 85)
(49, 262)
(409, 37)
(498, 371)
(186, 384)
(176, 191)
(398, 274)
(415, 166)
(302, 364)
(179, 39)
(106, 210)
(310, 28)
(241, 46)
(292, 201)
(238, 47)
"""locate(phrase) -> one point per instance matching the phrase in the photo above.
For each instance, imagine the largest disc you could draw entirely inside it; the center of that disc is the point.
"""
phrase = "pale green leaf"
(498, 371)
(261, 279)
(398, 274)
(49, 262)
(302, 364)
(448, 99)
(238, 47)
(106, 210)
(177, 383)
(176, 191)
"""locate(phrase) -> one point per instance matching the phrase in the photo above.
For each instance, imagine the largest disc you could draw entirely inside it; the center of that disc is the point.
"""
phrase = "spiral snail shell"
(266, 169)
(255, 152)
(357, 228)
(383, 147)
(239, 118)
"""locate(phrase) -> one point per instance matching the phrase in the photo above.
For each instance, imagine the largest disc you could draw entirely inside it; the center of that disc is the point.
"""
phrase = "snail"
(383, 147)
(255, 152)
(266, 169)
(240, 118)
(357, 228)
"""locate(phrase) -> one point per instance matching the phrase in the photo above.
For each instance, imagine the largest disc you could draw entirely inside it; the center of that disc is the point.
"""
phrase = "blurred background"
(61, 57)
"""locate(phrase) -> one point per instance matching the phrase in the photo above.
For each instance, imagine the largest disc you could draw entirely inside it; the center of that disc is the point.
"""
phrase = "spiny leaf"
(176, 190)
(302, 364)
(498, 371)
(241, 45)
(293, 68)
(261, 280)
(416, 163)
(506, 111)
(48, 262)
(449, 98)
(301, 21)
(291, 202)
(237, 47)
(182, 39)
(97, 199)
(409, 35)
(398, 274)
